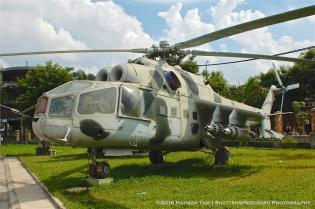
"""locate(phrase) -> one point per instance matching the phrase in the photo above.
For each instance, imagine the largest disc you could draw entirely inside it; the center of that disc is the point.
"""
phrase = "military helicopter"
(152, 104)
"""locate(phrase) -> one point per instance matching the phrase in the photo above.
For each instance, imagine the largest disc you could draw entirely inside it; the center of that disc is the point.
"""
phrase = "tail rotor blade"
(277, 74)
(293, 86)
(282, 98)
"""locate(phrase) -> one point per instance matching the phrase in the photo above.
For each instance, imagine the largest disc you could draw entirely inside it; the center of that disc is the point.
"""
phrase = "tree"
(40, 80)
(190, 65)
(81, 75)
(217, 81)
(254, 93)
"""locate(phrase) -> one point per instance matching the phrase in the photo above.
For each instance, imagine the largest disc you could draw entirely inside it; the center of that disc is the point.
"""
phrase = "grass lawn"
(254, 174)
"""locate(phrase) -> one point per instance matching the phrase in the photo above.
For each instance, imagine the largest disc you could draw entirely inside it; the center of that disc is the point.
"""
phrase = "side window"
(161, 107)
(130, 101)
(138, 103)
(61, 107)
(99, 101)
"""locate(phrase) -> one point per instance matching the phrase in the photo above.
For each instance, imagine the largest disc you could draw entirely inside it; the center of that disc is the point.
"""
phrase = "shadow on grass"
(187, 168)
(88, 200)
(284, 156)
(19, 155)
(62, 158)
(59, 183)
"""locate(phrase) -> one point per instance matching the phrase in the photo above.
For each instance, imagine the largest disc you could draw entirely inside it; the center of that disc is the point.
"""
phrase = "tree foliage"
(81, 75)
(44, 78)
(254, 90)
(216, 81)
(190, 65)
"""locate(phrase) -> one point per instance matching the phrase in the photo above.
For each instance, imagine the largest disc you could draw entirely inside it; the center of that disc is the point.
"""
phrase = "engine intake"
(103, 74)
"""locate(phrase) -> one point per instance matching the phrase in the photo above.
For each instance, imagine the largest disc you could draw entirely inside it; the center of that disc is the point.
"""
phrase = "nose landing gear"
(45, 149)
(97, 169)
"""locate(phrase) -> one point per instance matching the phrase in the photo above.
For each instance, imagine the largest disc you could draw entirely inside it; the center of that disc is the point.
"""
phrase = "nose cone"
(37, 126)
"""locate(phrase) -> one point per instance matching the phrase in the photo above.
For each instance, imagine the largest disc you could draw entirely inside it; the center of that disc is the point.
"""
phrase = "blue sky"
(146, 12)
(86, 24)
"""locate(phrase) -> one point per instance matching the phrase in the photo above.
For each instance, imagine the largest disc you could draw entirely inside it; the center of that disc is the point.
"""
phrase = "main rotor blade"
(140, 50)
(236, 29)
(245, 55)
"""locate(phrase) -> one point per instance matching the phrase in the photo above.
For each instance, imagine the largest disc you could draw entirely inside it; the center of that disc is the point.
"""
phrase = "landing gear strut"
(45, 149)
(222, 156)
(97, 169)
(156, 157)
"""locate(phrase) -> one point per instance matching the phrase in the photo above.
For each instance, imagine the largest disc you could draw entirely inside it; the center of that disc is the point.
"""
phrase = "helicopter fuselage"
(143, 106)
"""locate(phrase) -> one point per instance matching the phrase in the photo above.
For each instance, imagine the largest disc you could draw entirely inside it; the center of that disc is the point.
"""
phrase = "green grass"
(254, 174)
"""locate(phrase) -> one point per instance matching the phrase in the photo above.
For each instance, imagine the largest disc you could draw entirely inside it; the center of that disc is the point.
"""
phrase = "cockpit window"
(71, 86)
(98, 101)
(61, 107)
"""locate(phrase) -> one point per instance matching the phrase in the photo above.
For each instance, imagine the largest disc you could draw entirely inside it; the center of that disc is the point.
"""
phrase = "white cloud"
(168, 1)
(58, 25)
(3, 64)
(181, 28)
(224, 15)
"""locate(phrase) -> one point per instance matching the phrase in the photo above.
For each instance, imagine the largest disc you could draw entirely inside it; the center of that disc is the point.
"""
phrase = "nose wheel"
(97, 169)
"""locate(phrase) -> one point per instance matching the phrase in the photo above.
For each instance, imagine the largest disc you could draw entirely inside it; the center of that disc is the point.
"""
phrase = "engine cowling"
(123, 73)
(103, 74)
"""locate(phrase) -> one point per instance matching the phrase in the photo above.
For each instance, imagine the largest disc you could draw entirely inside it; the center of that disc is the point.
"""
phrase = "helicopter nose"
(37, 125)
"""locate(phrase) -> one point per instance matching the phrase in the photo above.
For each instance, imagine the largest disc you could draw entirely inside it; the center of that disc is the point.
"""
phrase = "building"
(300, 122)
(11, 124)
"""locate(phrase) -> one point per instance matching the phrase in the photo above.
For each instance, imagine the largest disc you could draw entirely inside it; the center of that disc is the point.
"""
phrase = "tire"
(92, 170)
(222, 156)
(156, 157)
(102, 169)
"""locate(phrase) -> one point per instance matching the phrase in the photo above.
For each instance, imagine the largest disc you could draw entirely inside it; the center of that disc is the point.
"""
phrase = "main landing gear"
(156, 157)
(222, 156)
(97, 169)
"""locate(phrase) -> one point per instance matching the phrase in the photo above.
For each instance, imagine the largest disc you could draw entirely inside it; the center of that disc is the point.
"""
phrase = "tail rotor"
(283, 89)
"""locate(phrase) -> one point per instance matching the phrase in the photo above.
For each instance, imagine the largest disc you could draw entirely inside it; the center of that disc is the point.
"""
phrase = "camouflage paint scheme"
(169, 120)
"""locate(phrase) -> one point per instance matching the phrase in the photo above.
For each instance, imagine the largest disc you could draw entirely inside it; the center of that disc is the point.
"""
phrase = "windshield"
(61, 107)
(98, 101)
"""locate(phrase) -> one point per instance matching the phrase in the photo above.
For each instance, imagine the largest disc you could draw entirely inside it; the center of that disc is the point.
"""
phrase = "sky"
(35, 25)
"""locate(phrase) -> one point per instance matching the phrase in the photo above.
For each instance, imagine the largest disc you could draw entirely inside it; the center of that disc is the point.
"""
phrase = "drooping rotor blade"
(140, 50)
(293, 86)
(247, 55)
(236, 29)
(277, 74)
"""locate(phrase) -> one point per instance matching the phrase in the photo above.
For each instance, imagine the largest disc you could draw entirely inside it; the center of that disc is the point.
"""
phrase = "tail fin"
(270, 98)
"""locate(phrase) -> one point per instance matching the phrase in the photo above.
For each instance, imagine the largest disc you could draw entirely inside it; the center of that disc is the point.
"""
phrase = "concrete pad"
(20, 189)
(97, 182)
(4, 199)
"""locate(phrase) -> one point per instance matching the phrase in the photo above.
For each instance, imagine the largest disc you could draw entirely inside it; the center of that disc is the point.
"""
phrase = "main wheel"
(156, 157)
(102, 169)
(222, 156)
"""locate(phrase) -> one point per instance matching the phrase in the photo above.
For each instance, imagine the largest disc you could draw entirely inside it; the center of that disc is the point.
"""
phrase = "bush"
(288, 142)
